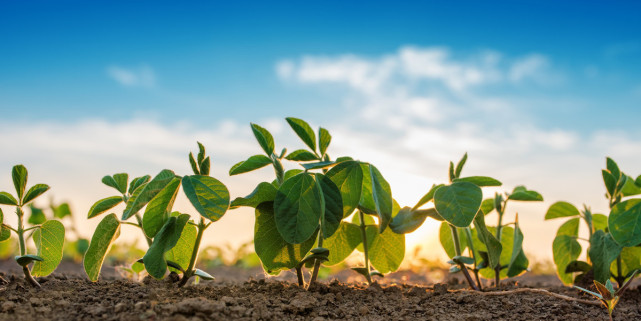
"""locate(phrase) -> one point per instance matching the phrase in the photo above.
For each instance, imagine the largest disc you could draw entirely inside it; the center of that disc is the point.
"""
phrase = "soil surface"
(72, 297)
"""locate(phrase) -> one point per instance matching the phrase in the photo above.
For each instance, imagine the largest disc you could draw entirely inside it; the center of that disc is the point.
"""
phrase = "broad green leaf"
(599, 222)
(386, 251)
(324, 138)
(376, 195)
(518, 261)
(578, 266)
(274, 252)
(264, 138)
(165, 240)
(637, 181)
(498, 252)
(7, 199)
(624, 222)
(49, 240)
(445, 236)
(520, 193)
(571, 227)
(297, 208)
(137, 182)
(181, 252)
(630, 261)
(480, 181)
(348, 177)
(301, 155)
(158, 209)
(504, 259)
(561, 209)
(103, 237)
(613, 168)
(487, 206)
(37, 216)
(117, 181)
(137, 267)
(19, 175)
(565, 249)
(458, 203)
(333, 214)
(104, 205)
(208, 195)
(630, 188)
(408, 220)
(264, 192)
(139, 199)
(428, 196)
(61, 211)
(603, 250)
(609, 181)
(319, 165)
(342, 243)
(24, 260)
(304, 131)
(34, 191)
(291, 173)
(253, 163)
(5, 233)
(459, 166)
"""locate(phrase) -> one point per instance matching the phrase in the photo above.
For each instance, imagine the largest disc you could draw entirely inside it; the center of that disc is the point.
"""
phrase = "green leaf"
(274, 252)
(301, 155)
(458, 203)
(264, 138)
(571, 227)
(480, 181)
(565, 249)
(487, 206)
(253, 163)
(493, 247)
(624, 222)
(387, 250)
(194, 165)
(34, 191)
(445, 236)
(597, 295)
(324, 138)
(304, 131)
(208, 195)
(49, 240)
(165, 240)
(19, 175)
(637, 181)
(613, 168)
(518, 261)
(427, 197)
(561, 209)
(578, 266)
(182, 251)
(37, 216)
(348, 177)
(139, 199)
(202, 274)
(205, 166)
(117, 181)
(7, 199)
(342, 243)
(630, 188)
(408, 220)
(104, 205)
(610, 182)
(603, 250)
(103, 237)
(318, 165)
(61, 211)
(297, 208)
(630, 261)
(599, 222)
(333, 214)
(376, 195)
(459, 166)
(5, 233)
(264, 192)
(137, 182)
(137, 267)
(201, 152)
(520, 193)
(24, 260)
(158, 209)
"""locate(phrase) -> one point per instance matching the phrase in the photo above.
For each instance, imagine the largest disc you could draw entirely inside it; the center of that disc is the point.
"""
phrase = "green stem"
(365, 246)
(499, 230)
(620, 278)
(468, 233)
(189, 272)
(9, 227)
(23, 248)
(299, 274)
(139, 219)
(457, 249)
(317, 263)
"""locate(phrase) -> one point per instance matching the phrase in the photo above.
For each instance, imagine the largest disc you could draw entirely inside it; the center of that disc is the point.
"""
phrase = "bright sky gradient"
(538, 93)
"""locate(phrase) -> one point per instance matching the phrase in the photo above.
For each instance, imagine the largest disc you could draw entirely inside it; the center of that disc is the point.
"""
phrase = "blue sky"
(538, 92)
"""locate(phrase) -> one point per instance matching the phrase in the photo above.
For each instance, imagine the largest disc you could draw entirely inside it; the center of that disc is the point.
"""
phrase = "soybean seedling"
(607, 295)
(48, 235)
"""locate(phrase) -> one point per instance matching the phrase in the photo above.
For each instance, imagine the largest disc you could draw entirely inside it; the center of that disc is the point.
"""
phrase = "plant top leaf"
(253, 163)
(458, 203)
(304, 131)
(264, 138)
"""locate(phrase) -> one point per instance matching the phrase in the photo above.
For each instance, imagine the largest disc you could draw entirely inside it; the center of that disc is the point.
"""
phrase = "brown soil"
(113, 298)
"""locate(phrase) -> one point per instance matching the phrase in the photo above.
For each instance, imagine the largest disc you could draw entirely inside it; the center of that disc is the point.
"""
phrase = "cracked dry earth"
(74, 298)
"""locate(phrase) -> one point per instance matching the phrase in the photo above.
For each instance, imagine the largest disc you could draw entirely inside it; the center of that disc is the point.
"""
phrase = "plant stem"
(365, 246)
(23, 248)
(299, 274)
(317, 263)
(620, 279)
(468, 233)
(457, 249)
(499, 230)
(189, 272)
(139, 219)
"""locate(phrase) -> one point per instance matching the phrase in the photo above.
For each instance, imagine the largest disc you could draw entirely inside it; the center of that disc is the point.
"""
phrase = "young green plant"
(607, 295)
(48, 235)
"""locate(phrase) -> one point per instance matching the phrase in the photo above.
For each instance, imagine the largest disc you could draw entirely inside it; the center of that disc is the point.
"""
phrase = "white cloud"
(533, 66)
(143, 76)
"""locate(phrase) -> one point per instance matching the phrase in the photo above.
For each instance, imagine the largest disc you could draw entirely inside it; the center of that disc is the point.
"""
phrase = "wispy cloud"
(142, 76)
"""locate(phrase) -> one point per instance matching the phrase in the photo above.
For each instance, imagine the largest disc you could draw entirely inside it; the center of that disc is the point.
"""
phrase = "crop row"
(327, 209)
